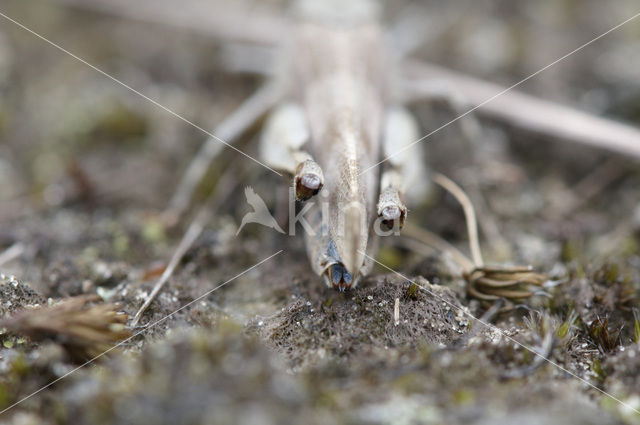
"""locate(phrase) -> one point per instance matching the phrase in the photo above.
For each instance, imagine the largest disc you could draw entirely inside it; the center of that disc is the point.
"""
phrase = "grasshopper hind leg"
(308, 179)
(404, 176)
(391, 210)
(281, 143)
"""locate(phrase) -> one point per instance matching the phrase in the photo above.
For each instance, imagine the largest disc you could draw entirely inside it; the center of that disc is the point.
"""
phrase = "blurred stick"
(431, 239)
(587, 188)
(483, 282)
(83, 325)
(229, 129)
(487, 222)
(525, 111)
(224, 188)
(11, 253)
(235, 21)
(469, 213)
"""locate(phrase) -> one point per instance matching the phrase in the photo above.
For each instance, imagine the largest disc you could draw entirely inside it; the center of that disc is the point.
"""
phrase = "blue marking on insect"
(332, 251)
(340, 274)
(336, 273)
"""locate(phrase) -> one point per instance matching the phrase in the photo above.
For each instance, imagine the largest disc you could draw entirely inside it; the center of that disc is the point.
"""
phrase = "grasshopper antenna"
(227, 184)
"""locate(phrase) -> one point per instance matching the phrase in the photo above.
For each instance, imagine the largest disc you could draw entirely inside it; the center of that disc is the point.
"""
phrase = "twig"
(229, 129)
(483, 282)
(525, 111)
(486, 221)
(227, 184)
(469, 212)
(429, 238)
(82, 325)
(591, 185)
(193, 15)
(396, 312)
(11, 253)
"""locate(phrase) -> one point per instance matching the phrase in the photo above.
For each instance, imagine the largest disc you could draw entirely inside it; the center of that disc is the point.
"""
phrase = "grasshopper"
(339, 125)
(340, 117)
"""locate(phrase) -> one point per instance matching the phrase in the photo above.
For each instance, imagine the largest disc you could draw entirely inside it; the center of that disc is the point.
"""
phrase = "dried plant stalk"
(82, 326)
(483, 282)
(492, 283)
(469, 213)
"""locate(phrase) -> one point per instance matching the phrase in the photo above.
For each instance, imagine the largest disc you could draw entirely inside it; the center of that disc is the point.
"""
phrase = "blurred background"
(70, 135)
(87, 167)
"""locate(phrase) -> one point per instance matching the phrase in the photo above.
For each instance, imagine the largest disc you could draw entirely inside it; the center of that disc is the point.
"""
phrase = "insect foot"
(391, 209)
(308, 180)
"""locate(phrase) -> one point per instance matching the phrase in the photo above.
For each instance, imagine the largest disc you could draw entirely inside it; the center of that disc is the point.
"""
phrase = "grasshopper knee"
(405, 174)
(282, 147)
(308, 180)
(391, 210)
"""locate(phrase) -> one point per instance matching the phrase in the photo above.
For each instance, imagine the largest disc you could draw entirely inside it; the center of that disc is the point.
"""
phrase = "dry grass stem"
(493, 283)
(82, 325)
(483, 282)
(469, 213)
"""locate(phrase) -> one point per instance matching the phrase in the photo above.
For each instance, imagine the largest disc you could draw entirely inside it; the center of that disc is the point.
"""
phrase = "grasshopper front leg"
(404, 177)
(285, 134)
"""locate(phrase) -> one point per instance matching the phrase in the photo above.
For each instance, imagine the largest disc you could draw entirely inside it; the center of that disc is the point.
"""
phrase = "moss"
(121, 245)
(153, 231)
(219, 376)
(15, 295)
(636, 327)
(390, 257)
(608, 274)
(19, 367)
(354, 321)
(596, 367)
(563, 330)
(603, 336)
(412, 291)
(307, 352)
(570, 251)
(464, 396)
(118, 123)
(6, 396)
